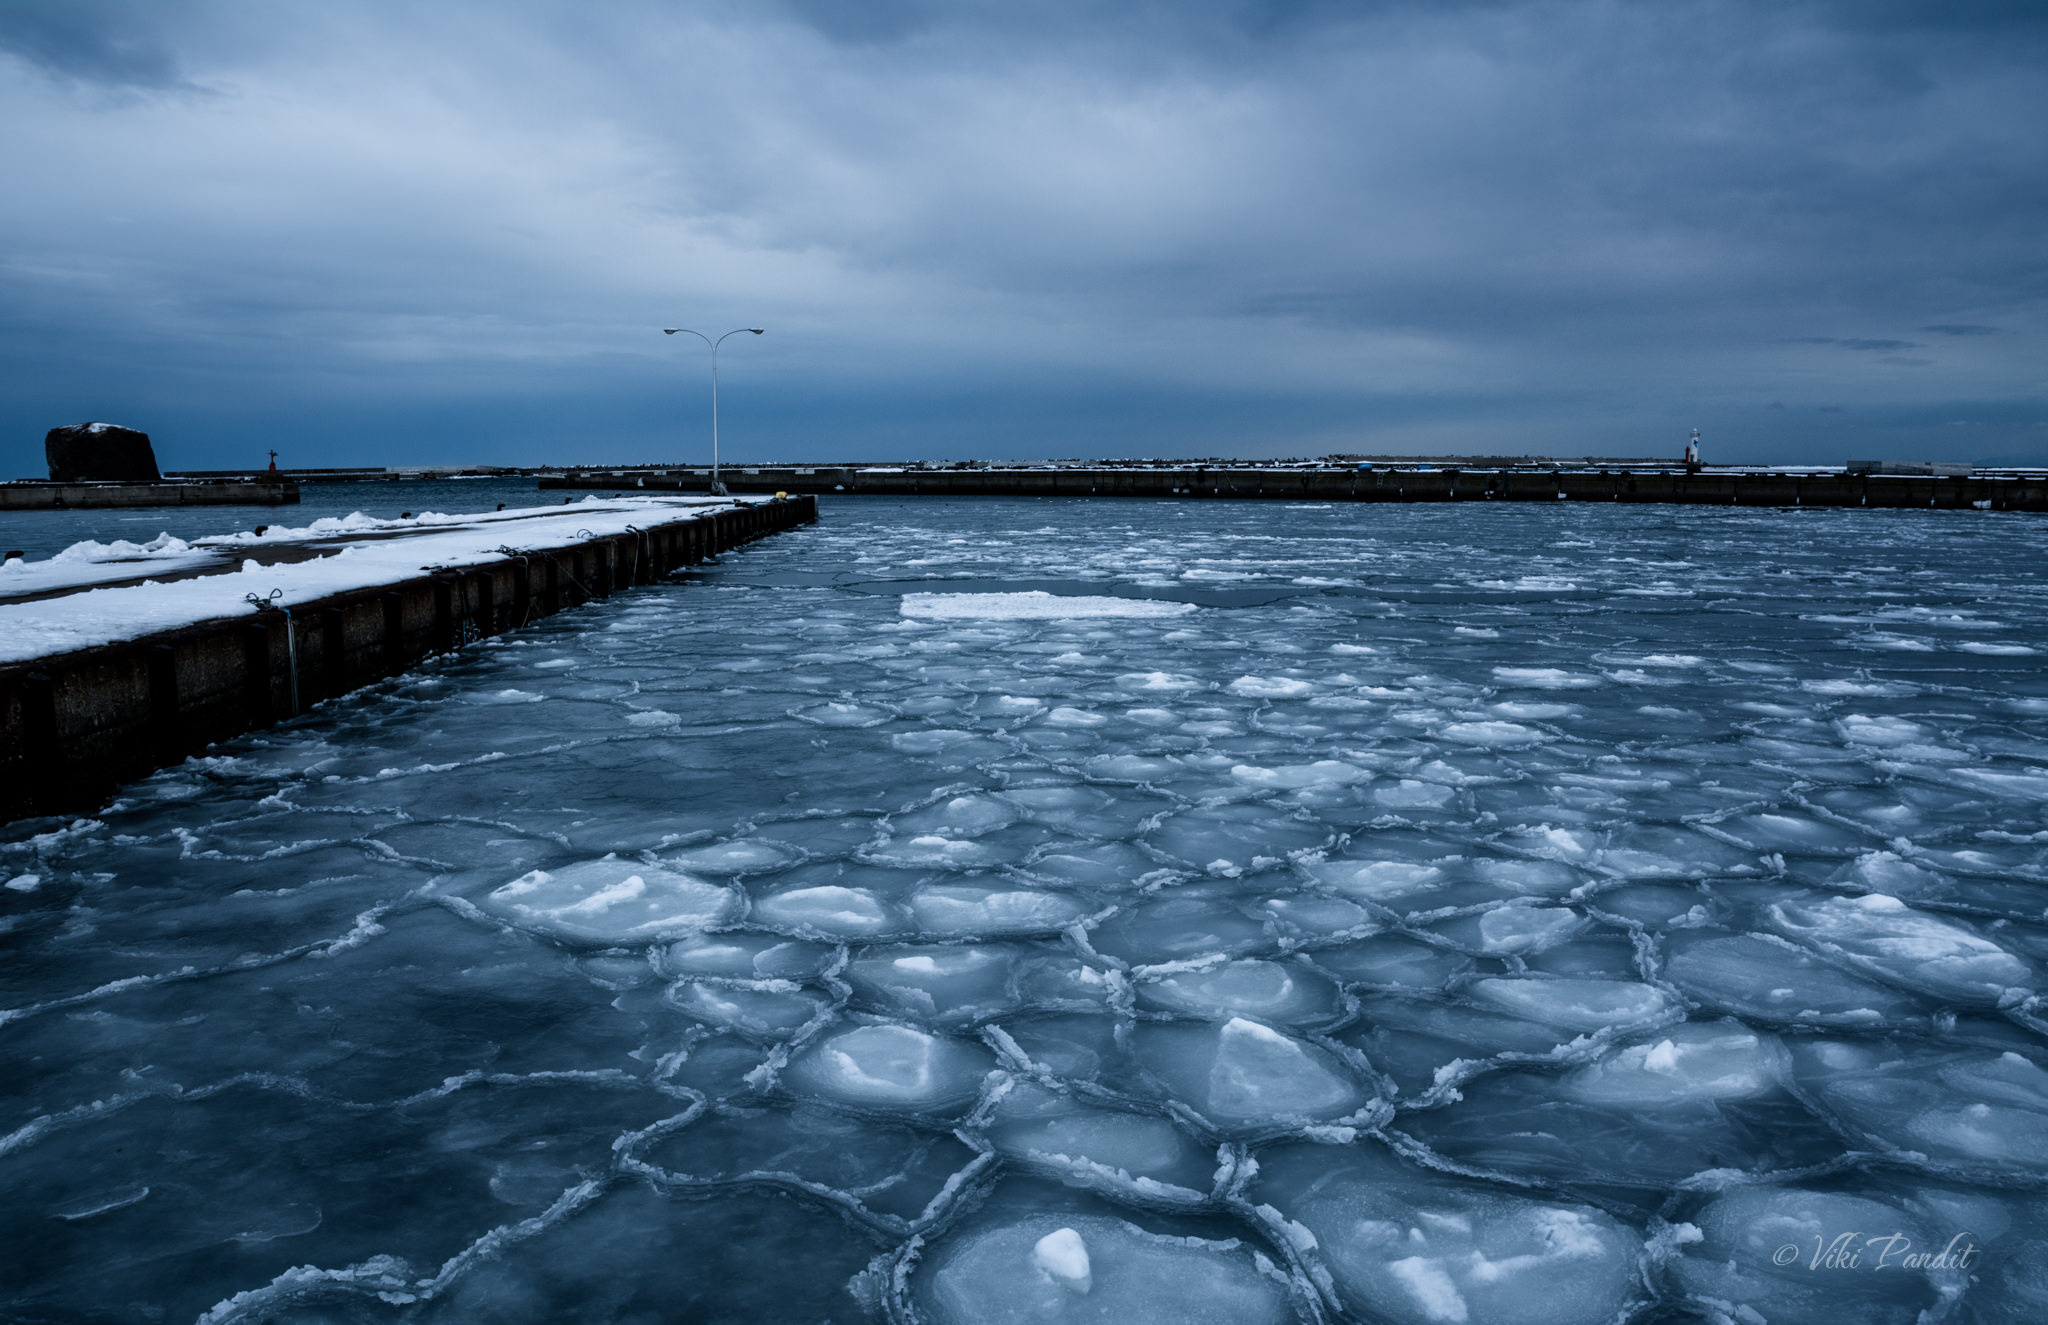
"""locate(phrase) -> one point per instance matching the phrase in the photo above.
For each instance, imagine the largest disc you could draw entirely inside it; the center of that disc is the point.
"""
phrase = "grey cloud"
(1398, 219)
(2004, 17)
(105, 42)
(1961, 329)
(872, 21)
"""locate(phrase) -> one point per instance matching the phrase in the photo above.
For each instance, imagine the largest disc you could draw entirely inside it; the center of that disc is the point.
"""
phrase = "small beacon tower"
(1692, 453)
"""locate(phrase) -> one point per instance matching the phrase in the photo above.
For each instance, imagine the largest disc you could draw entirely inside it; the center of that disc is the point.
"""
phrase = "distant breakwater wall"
(39, 496)
(1711, 488)
(74, 726)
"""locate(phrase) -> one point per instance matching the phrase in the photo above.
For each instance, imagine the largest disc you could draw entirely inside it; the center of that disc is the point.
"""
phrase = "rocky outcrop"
(100, 453)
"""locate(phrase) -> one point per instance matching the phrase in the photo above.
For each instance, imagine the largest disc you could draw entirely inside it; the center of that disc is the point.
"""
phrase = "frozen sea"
(991, 910)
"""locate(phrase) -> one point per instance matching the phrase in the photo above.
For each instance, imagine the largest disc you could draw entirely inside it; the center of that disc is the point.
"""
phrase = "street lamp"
(717, 488)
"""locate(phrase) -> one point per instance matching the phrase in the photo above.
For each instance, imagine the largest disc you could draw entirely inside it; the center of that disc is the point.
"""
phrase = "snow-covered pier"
(117, 659)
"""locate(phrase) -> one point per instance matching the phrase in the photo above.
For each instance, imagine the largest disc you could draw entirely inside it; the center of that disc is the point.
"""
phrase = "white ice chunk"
(1549, 842)
(1271, 687)
(977, 909)
(1891, 940)
(959, 816)
(1133, 768)
(1034, 605)
(1984, 1112)
(1270, 991)
(830, 909)
(1690, 1062)
(931, 740)
(837, 714)
(1409, 794)
(1739, 1255)
(1580, 1005)
(1419, 1253)
(1042, 1125)
(890, 1067)
(1296, 777)
(1544, 678)
(743, 957)
(932, 850)
(1248, 1076)
(1062, 1257)
(1307, 916)
(735, 857)
(1377, 880)
(1494, 735)
(1158, 682)
(950, 983)
(613, 901)
(1767, 979)
(1886, 872)
(1860, 730)
(767, 1014)
(1526, 928)
(1523, 711)
(1071, 1267)
(1533, 878)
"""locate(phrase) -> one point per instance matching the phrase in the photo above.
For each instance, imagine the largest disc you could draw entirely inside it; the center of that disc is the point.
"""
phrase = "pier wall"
(1712, 488)
(73, 727)
(35, 496)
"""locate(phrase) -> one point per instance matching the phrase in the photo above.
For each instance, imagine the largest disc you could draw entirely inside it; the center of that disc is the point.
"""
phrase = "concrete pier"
(1712, 487)
(75, 725)
(33, 495)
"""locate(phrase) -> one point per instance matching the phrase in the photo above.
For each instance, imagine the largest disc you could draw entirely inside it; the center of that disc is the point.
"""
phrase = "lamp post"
(717, 488)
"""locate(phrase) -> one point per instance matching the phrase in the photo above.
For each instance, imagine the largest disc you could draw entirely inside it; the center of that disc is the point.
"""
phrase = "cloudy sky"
(388, 233)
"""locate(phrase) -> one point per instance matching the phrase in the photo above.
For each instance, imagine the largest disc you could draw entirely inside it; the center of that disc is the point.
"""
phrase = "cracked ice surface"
(986, 910)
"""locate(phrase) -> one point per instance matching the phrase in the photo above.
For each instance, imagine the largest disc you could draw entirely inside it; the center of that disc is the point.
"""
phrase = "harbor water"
(992, 910)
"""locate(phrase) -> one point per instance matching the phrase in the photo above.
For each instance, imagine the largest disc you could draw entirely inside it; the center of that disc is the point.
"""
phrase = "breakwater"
(1712, 487)
(76, 724)
(37, 496)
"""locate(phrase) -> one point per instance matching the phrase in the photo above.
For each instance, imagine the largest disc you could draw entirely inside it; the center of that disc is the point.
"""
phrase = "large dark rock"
(100, 453)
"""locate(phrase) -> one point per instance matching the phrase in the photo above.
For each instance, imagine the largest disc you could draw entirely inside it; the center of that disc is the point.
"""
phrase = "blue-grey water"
(1423, 914)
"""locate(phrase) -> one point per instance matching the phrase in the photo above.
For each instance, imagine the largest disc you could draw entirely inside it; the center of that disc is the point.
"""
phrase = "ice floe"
(613, 901)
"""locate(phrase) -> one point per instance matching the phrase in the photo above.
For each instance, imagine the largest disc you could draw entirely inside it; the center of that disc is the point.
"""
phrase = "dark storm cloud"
(113, 44)
(396, 230)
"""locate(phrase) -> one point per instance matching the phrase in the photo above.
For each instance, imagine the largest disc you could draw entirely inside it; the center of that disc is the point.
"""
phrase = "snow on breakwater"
(77, 723)
(1239, 961)
(217, 574)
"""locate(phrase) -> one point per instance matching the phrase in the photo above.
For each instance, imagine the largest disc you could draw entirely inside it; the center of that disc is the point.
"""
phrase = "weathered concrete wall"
(77, 496)
(1753, 488)
(75, 726)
